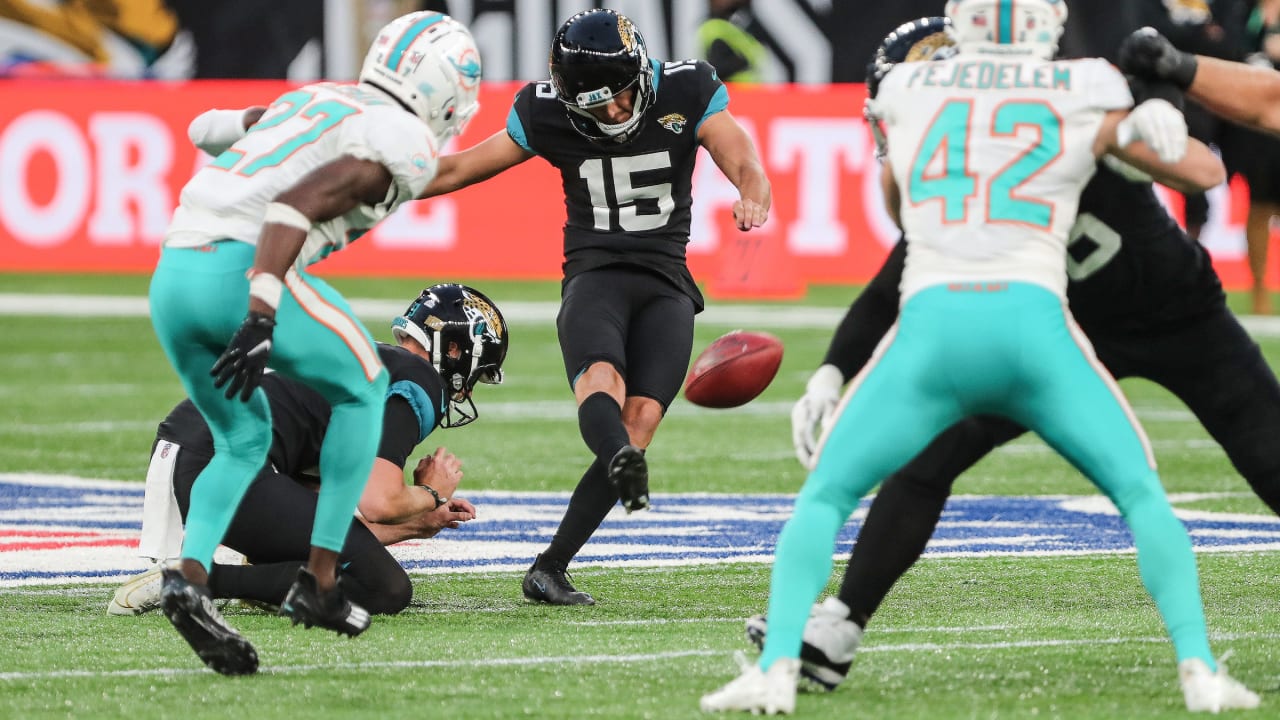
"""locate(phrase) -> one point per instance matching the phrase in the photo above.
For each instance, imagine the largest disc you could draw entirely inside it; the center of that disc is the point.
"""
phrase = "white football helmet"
(429, 62)
(1008, 27)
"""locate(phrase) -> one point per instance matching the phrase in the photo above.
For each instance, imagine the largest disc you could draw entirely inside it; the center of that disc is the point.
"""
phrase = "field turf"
(996, 637)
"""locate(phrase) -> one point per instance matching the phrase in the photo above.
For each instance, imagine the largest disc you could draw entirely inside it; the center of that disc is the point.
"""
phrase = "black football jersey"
(1131, 268)
(626, 203)
(300, 416)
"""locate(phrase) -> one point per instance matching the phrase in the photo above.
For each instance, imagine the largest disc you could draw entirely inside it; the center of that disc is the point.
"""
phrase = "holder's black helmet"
(595, 56)
(467, 339)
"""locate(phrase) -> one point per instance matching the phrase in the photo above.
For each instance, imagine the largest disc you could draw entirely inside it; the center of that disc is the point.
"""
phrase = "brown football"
(733, 370)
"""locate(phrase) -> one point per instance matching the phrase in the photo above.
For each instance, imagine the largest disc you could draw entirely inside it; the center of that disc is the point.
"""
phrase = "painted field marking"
(59, 530)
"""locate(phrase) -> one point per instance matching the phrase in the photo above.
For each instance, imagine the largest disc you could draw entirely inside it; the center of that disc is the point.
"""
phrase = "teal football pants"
(992, 348)
(199, 297)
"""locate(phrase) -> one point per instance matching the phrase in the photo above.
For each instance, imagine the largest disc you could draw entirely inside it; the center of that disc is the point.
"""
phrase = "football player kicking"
(322, 165)
(451, 338)
(623, 130)
(988, 151)
(1146, 296)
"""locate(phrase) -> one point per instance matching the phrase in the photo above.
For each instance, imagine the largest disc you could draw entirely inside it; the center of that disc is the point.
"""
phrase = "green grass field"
(997, 637)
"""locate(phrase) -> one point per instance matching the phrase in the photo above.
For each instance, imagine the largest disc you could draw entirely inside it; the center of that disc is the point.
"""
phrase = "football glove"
(1149, 54)
(241, 366)
(813, 412)
(1160, 125)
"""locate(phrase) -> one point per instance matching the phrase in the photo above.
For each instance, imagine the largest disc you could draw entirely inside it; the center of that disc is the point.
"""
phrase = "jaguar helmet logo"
(627, 32)
(674, 122)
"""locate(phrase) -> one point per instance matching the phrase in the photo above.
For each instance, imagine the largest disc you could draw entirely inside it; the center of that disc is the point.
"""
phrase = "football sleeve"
(869, 318)
(519, 125)
(711, 93)
(398, 141)
(1106, 88)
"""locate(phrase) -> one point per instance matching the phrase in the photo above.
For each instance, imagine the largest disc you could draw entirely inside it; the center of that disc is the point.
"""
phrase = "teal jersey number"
(954, 185)
(948, 136)
(326, 113)
(1005, 205)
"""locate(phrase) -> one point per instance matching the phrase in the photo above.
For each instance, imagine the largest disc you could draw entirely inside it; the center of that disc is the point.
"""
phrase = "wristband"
(287, 215)
(266, 287)
(439, 500)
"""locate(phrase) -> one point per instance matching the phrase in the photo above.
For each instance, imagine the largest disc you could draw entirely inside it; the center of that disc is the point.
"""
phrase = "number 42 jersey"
(626, 203)
(990, 155)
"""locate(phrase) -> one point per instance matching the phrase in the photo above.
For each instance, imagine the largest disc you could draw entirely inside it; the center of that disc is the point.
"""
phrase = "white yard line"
(592, 659)
(754, 315)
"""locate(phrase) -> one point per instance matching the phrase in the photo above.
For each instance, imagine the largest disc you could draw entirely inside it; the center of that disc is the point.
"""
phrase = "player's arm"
(1243, 93)
(427, 525)
(388, 500)
(855, 340)
(480, 162)
(736, 156)
(329, 191)
(1199, 170)
(213, 131)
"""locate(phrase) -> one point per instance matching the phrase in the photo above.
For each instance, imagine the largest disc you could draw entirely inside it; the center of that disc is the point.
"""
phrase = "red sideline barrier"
(90, 172)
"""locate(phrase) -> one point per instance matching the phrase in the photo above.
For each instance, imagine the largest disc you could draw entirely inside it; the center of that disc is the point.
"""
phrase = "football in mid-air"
(733, 370)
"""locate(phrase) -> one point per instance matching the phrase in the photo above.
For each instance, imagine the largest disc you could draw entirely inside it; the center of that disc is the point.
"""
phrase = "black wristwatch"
(439, 500)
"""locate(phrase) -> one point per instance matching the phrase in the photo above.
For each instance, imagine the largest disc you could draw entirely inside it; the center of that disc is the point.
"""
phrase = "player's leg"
(891, 411)
(907, 508)
(1071, 401)
(1258, 241)
(658, 349)
(320, 342)
(1214, 367)
(278, 543)
(902, 517)
(594, 316)
(197, 299)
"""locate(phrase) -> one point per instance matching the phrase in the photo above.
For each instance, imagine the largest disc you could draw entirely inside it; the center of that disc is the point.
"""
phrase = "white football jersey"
(303, 130)
(990, 156)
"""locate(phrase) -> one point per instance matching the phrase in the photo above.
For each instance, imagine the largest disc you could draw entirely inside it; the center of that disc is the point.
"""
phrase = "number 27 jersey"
(990, 155)
(301, 131)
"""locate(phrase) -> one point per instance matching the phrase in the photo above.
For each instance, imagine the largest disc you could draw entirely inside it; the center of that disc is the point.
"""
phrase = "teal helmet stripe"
(1004, 12)
(416, 29)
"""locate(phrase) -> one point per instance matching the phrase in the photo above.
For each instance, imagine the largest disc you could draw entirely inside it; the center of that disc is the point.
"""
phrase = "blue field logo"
(57, 529)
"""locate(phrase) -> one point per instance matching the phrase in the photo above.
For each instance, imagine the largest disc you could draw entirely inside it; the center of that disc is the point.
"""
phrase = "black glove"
(245, 358)
(1148, 54)
(1143, 90)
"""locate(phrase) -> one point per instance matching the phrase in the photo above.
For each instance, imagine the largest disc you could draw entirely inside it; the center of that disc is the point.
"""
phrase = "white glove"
(1159, 124)
(814, 410)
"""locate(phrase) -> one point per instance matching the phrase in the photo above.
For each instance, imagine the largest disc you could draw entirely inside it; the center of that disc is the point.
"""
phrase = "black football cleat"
(307, 605)
(629, 474)
(193, 614)
(549, 583)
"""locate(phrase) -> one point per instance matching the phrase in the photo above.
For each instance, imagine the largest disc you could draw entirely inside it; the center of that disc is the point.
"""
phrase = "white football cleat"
(1207, 691)
(830, 641)
(757, 691)
(139, 594)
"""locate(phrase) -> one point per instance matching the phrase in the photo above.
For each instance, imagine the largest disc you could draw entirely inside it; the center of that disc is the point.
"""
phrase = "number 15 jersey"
(626, 203)
(990, 155)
